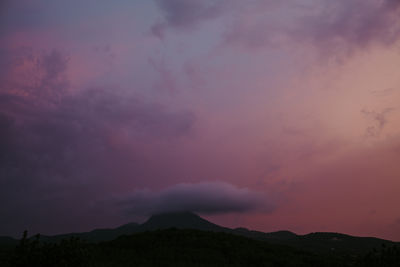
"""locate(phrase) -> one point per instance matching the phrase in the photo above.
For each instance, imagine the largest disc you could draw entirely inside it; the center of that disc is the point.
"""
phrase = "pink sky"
(288, 110)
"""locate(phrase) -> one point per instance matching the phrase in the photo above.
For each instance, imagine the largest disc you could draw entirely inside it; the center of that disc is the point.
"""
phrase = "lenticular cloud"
(206, 197)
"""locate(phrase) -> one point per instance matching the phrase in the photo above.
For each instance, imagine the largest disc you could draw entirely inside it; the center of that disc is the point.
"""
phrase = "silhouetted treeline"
(33, 253)
(175, 247)
(386, 256)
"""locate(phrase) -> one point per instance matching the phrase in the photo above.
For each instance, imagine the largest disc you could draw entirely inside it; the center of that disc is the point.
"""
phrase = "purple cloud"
(58, 149)
(354, 22)
(39, 75)
(205, 197)
(330, 25)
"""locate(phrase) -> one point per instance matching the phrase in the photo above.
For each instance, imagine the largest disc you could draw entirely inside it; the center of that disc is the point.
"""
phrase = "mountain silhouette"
(97, 235)
(180, 220)
(320, 242)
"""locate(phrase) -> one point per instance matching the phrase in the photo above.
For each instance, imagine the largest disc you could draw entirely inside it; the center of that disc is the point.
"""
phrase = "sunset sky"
(264, 114)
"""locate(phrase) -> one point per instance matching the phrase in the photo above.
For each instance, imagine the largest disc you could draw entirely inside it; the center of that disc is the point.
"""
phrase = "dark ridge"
(180, 220)
(339, 243)
(282, 235)
(97, 235)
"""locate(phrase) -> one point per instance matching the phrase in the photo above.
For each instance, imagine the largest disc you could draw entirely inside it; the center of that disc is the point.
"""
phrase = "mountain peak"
(177, 214)
(181, 220)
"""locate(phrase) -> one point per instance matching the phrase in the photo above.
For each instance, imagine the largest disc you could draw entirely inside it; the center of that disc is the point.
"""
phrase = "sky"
(263, 114)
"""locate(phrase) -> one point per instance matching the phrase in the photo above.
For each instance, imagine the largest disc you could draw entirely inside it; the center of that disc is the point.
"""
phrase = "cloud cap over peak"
(204, 197)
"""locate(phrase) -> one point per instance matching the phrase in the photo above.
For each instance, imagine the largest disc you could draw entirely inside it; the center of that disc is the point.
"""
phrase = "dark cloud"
(61, 151)
(183, 14)
(90, 140)
(206, 198)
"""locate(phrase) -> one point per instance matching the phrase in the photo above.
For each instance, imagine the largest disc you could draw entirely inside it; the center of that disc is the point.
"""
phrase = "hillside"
(164, 235)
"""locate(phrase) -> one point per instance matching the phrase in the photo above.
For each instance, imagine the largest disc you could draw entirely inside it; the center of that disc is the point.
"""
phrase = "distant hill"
(338, 243)
(98, 235)
(319, 242)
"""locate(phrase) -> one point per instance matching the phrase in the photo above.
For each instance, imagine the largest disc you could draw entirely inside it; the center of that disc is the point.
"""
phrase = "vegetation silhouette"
(186, 239)
(33, 253)
(183, 247)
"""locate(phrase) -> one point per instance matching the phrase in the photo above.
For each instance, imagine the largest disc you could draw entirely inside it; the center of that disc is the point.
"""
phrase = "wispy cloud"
(378, 119)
